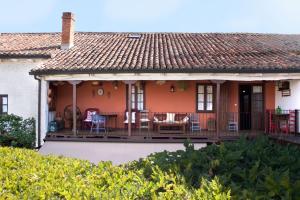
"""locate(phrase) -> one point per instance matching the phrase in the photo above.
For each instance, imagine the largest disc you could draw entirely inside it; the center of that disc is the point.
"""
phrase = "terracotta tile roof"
(158, 52)
(29, 44)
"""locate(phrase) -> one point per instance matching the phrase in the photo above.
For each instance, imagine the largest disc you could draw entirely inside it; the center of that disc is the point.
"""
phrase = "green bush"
(17, 132)
(258, 169)
(25, 174)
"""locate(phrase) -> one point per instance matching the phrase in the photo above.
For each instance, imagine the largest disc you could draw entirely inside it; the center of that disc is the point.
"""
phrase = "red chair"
(87, 117)
(289, 126)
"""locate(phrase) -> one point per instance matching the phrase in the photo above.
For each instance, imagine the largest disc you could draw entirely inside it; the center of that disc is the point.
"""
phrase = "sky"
(261, 16)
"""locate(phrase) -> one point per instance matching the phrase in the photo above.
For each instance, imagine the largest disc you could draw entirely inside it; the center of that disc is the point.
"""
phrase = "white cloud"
(140, 10)
(22, 12)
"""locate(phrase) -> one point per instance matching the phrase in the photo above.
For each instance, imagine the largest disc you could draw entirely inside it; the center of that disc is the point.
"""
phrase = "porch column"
(74, 106)
(129, 108)
(218, 83)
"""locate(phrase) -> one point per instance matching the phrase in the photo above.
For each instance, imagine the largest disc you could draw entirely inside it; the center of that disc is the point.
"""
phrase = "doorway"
(251, 101)
(245, 107)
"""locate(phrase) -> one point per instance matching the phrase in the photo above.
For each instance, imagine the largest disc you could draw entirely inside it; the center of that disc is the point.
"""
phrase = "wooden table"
(110, 116)
(171, 127)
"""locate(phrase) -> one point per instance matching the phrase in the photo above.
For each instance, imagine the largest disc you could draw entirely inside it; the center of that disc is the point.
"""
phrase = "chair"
(133, 118)
(144, 120)
(232, 122)
(87, 117)
(287, 126)
(98, 123)
(194, 122)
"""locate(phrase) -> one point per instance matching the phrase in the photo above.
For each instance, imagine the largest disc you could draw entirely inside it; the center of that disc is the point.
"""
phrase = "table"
(171, 128)
(110, 116)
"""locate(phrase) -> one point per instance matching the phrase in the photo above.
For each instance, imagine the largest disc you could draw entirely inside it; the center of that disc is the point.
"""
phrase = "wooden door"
(257, 108)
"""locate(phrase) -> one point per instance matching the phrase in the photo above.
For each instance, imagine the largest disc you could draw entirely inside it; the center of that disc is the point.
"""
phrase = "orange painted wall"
(233, 101)
(158, 98)
(270, 95)
(87, 97)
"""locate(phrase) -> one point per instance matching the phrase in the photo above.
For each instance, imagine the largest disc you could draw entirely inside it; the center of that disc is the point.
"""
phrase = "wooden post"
(218, 110)
(74, 109)
(74, 106)
(129, 108)
(218, 103)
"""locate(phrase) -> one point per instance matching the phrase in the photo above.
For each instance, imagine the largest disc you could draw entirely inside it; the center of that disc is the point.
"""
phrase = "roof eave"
(241, 70)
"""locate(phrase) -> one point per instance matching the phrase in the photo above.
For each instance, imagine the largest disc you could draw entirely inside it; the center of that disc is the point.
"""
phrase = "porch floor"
(147, 136)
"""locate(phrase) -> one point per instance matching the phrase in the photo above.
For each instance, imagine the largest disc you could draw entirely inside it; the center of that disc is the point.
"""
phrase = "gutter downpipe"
(39, 111)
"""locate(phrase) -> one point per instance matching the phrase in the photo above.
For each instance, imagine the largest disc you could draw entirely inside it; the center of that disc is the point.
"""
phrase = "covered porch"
(157, 110)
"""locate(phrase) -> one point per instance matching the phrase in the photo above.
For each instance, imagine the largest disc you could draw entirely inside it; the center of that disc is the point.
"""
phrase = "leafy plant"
(252, 169)
(14, 131)
(25, 174)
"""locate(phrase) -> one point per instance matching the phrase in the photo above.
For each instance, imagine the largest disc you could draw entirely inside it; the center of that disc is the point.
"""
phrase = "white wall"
(21, 88)
(291, 102)
(44, 109)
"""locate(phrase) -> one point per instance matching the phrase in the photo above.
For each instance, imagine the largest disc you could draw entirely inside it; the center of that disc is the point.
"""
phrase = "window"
(137, 98)
(205, 98)
(3, 104)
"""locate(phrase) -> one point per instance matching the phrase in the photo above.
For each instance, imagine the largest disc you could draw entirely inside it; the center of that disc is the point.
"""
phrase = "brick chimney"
(67, 36)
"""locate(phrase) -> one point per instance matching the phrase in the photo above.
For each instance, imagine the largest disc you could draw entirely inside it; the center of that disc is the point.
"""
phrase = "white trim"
(175, 76)
(44, 110)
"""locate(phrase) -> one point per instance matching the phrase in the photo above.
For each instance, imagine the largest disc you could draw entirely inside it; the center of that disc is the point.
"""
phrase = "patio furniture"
(133, 118)
(282, 122)
(232, 122)
(111, 117)
(98, 123)
(171, 127)
(170, 122)
(286, 122)
(144, 121)
(87, 117)
(195, 122)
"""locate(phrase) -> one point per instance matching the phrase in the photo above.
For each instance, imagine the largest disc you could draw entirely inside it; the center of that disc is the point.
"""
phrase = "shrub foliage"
(16, 131)
(257, 169)
(25, 174)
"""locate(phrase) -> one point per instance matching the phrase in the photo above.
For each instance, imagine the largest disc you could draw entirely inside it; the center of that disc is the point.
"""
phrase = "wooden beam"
(74, 98)
(129, 108)
(218, 109)
(74, 105)
(175, 76)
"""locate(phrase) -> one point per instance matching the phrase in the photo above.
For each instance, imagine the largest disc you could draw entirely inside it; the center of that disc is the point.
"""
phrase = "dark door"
(245, 107)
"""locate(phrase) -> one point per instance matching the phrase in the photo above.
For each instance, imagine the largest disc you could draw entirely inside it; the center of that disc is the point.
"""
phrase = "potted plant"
(211, 124)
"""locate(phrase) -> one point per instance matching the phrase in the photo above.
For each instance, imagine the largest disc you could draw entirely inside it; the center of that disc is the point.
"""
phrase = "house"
(151, 86)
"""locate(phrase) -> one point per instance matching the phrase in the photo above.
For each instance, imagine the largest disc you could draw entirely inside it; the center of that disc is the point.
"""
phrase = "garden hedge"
(257, 169)
(25, 174)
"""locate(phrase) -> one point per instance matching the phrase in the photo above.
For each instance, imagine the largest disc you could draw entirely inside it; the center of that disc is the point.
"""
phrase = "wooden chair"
(233, 125)
(133, 119)
(194, 122)
(144, 121)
